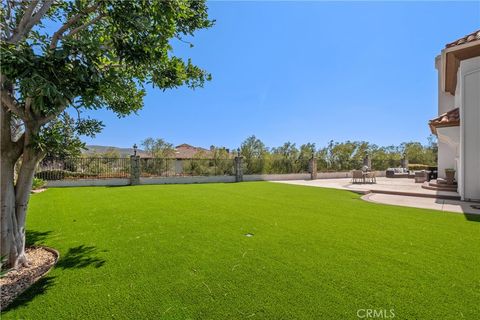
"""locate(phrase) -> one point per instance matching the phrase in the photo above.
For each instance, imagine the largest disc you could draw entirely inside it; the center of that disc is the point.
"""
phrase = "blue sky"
(305, 72)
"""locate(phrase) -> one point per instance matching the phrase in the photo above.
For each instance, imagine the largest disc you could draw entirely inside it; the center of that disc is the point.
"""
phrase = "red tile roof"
(186, 151)
(448, 119)
(468, 38)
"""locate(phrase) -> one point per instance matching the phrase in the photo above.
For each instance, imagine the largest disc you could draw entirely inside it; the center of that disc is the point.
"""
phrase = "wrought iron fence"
(104, 168)
(83, 168)
(161, 167)
(339, 165)
(275, 166)
(356, 164)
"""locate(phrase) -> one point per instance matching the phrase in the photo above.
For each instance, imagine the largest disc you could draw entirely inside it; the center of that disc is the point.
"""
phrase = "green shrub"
(37, 183)
(418, 167)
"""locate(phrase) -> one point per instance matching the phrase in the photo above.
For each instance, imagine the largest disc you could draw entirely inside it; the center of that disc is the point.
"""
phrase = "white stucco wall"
(187, 180)
(273, 177)
(446, 101)
(467, 97)
(87, 182)
(448, 149)
(201, 179)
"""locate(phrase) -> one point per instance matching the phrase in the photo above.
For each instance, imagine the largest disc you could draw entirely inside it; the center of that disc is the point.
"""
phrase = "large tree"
(158, 148)
(80, 55)
(254, 152)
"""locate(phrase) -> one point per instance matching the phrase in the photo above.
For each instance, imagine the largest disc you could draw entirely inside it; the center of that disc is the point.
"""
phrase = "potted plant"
(450, 175)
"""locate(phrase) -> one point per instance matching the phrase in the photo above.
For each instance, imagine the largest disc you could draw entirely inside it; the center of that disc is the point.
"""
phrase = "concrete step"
(439, 186)
(411, 194)
(441, 181)
(442, 184)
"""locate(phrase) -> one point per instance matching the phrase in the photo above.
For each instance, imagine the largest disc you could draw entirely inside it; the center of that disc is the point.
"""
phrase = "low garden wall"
(273, 177)
(88, 182)
(198, 179)
(343, 174)
(187, 180)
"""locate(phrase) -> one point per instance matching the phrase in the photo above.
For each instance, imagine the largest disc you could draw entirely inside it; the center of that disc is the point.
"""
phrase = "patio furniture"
(358, 176)
(433, 173)
(397, 173)
(421, 176)
(370, 177)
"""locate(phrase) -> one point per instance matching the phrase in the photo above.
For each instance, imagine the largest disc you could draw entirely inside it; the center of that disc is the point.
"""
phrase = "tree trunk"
(15, 196)
(12, 233)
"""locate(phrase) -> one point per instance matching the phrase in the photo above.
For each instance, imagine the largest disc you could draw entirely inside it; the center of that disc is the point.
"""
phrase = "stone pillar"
(404, 162)
(312, 166)
(134, 170)
(238, 169)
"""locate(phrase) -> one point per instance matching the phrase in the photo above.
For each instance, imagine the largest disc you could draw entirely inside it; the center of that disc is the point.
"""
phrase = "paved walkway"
(397, 191)
(424, 203)
(403, 186)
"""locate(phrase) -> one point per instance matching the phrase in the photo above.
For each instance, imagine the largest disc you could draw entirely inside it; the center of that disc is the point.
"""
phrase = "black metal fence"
(275, 166)
(105, 168)
(348, 164)
(161, 167)
(83, 168)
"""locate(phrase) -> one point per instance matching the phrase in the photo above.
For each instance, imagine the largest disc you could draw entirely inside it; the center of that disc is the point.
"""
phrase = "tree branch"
(93, 21)
(11, 105)
(28, 20)
(50, 117)
(17, 147)
(26, 15)
(59, 33)
(8, 19)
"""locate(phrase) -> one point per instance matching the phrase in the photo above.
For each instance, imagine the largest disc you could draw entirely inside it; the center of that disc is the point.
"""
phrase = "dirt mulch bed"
(41, 260)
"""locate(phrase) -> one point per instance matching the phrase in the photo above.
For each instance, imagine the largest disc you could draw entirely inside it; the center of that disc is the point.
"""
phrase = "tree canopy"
(101, 55)
(60, 58)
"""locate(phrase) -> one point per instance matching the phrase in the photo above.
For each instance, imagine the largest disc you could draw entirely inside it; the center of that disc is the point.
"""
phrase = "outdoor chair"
(357, 176)
(421, 176)
(371, 177)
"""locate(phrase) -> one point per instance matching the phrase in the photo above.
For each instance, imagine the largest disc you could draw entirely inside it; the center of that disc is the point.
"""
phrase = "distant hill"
(183, 151)
(123, 152)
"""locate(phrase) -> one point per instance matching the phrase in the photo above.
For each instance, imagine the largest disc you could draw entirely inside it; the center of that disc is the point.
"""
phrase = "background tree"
(158, 148)
(385, 157)
(83, 54)
(254, 152)
(284, 158)
(222, 160)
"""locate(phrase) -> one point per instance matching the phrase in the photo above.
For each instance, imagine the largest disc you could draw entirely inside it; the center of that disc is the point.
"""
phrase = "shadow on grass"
(472, 217)
(76, 258)
(37, 289)
(80, 257)
(33, 237)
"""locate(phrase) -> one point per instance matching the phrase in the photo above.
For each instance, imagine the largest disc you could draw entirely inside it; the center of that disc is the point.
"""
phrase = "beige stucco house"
(457, 125)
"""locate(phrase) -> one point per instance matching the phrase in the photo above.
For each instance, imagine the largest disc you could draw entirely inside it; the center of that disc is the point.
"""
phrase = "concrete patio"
(397, 191)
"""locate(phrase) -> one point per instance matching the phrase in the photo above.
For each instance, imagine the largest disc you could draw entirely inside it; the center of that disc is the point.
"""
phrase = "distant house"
(186, 151)
(457, 125)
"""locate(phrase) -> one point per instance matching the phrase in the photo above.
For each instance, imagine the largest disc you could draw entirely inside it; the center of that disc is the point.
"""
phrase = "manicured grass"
(180, 252)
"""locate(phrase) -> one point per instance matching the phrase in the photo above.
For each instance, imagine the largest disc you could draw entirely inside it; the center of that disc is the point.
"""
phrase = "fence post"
(238, 169)
(313, 168)
(367, 161)
(134, 170)
(404, 161)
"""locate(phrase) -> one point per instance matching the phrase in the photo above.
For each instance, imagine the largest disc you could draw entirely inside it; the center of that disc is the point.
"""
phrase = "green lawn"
(180, 252)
